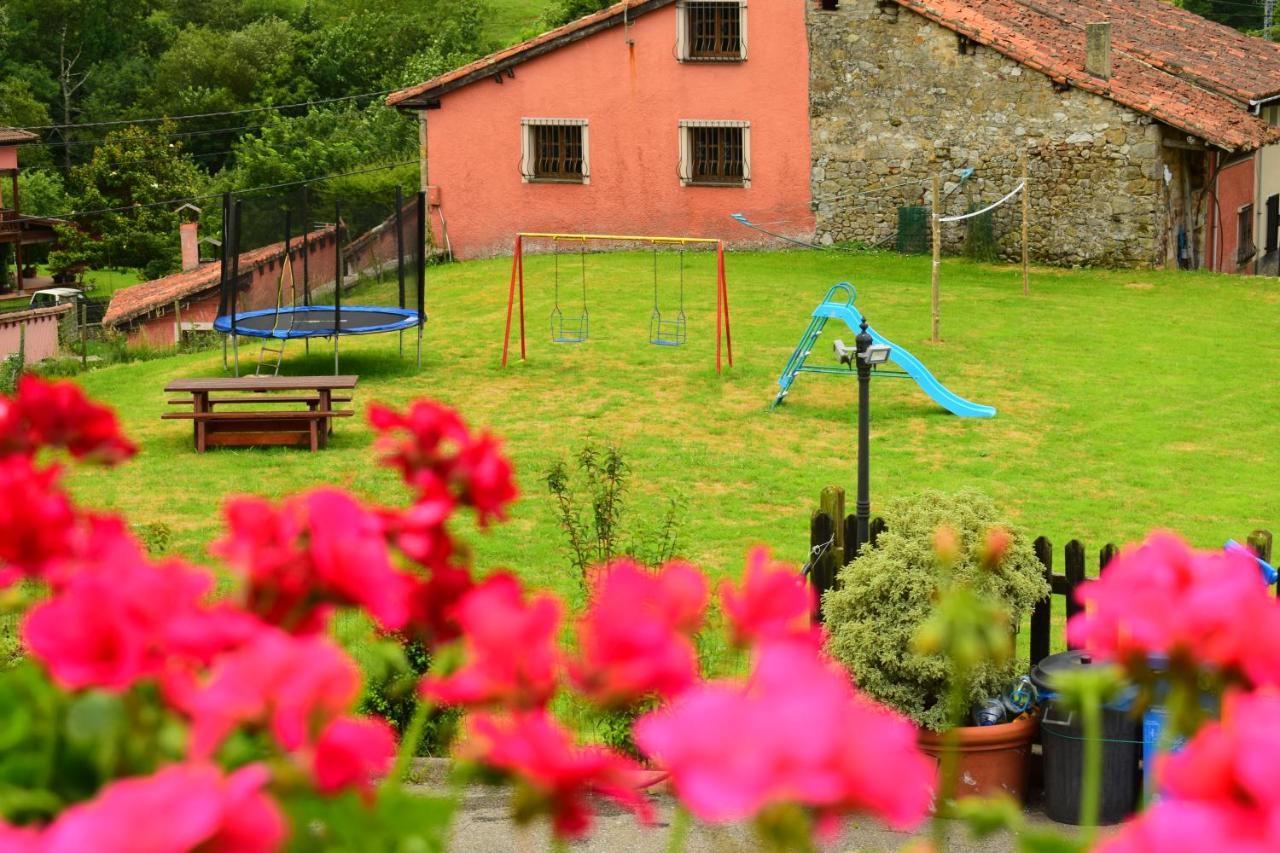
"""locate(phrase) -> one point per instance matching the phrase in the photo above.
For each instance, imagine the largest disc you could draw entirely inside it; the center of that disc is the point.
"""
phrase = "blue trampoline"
(293, 318)
(318, 321)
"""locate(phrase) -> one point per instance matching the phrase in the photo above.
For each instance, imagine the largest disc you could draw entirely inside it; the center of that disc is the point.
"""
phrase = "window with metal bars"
(712, 30)
(717, 156)
(1245, 248)
(557, 152)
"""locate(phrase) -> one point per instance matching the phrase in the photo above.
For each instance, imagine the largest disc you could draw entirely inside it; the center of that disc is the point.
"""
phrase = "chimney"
(1097, 49)
(190, 245)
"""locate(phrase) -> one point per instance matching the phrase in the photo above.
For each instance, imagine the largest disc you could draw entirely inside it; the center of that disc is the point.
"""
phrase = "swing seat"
(571, 331)
(667, 333)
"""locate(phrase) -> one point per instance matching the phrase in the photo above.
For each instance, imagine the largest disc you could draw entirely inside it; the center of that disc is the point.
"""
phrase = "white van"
(52, 296)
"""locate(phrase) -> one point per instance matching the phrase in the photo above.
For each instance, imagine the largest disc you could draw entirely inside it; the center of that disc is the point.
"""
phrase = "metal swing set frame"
(575, 330)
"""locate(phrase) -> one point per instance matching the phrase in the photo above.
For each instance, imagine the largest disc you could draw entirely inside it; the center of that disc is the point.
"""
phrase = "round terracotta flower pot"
(993, 759)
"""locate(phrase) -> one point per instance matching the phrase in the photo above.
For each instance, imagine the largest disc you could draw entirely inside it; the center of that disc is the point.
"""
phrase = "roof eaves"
(425, 95)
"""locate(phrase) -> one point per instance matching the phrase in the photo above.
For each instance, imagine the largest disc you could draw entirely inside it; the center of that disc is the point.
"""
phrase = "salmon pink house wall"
(618, 72)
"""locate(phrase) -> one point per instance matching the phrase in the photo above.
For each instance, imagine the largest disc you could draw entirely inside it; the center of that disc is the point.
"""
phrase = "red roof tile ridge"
(513, 51)
(135, 300)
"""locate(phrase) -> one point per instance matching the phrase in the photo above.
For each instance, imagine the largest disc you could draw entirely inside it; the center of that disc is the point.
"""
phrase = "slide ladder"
(833, 307)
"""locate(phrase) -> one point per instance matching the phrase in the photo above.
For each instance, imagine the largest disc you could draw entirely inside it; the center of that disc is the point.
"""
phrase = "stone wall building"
(1126, 151)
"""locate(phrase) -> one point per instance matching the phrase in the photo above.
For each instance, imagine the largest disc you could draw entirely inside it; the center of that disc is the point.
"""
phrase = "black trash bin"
(1062, 738)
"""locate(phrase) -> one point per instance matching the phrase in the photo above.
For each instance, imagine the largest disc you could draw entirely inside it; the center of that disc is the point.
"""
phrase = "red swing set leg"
(517, 280)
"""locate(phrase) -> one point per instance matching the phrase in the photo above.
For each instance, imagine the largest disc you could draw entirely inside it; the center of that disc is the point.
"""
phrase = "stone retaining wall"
(894, 100)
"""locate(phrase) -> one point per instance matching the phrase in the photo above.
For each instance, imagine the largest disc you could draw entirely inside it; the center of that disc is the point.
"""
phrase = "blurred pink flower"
(311, 551)
(180, 807)
(36, 519)
(433, 604)
(797, 732)
(58, 414)
(296, 684)
(775, 602)
(635, 637)
(353, 752)
(1219, 791)
(431, 447)
(534, 748)
(1163, 598)
(510, 649)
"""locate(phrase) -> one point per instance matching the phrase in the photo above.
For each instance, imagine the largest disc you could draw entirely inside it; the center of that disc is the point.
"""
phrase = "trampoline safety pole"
(421, 241)
(399, 218)
(337, 281)
(234, 281)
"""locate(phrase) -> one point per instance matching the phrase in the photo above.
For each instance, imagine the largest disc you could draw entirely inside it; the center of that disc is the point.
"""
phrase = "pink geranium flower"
(797, 732)
(774, 603)
(36, 519)
(312, 551)
(296, 685)
(353, 752)
(1219, 791)
(110, 624)
(635, 637)
(181, 807)
(58, 414)
(535, 749)
(433, 604)
(1163, 598)
(435, 453)
(510, 649)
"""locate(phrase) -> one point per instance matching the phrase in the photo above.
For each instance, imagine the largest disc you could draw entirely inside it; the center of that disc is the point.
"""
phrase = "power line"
(169, 136)
(80, 214)
(157, 119)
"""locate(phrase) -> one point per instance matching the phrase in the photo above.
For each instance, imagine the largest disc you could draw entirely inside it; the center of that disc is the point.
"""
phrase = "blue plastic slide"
(831, 308)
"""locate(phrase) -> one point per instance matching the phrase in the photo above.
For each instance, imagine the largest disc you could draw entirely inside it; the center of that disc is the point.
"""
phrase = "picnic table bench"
(220, 415)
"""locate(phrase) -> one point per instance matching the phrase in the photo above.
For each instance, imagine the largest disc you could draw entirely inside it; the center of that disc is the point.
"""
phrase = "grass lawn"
(1127, 400)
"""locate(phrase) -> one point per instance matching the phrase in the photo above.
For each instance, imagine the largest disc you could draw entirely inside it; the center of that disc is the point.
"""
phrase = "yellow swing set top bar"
(619, 237)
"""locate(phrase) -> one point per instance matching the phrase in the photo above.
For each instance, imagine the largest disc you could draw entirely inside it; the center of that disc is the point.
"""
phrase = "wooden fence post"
(831, 501)
(1108, 553)
(876, 528)
(1075, 552)
(177, 325)
(1042, 615)
(1260, 542)
(937, 258)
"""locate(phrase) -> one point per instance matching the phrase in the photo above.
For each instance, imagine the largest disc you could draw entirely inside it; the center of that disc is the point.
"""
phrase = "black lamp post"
(863, 509)
(867, 354)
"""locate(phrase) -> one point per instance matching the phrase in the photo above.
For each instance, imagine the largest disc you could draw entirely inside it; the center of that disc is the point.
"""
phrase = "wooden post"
(1108, 553)
(937, 256)
(877, 528)
(82, 314)
(1026, 229)
(177, 325)
(831, 501)
(1042, 615)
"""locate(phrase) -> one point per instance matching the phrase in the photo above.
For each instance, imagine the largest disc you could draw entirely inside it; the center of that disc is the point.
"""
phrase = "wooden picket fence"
(827, 555)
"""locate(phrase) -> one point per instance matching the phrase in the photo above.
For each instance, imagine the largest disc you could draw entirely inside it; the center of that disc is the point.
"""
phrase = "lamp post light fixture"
(865, 356)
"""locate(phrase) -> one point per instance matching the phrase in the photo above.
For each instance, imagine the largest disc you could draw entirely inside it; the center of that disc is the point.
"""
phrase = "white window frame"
(686, 150)
(682, 32)
(526, 148)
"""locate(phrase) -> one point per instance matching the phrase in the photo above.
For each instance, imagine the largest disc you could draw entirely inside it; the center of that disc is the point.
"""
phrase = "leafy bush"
(889, 592)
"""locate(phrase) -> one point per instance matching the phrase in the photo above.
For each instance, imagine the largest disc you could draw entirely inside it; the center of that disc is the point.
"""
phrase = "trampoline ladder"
(270, 357)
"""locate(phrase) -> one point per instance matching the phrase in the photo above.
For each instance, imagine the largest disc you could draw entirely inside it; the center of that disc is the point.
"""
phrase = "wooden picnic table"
(260, 425)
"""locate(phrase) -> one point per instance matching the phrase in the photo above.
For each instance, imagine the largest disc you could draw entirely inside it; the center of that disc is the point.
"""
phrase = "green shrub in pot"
(886, 594)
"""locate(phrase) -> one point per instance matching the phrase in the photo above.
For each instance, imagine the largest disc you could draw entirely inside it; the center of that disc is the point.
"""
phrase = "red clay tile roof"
(13, 136)
(130, 302)
(1170, 64)
(416, 97)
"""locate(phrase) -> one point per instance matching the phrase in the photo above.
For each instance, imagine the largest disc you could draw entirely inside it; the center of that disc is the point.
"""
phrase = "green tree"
(133, 178)
(564, 11)
(44, 193)
(1233, 13)
(250, 63)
